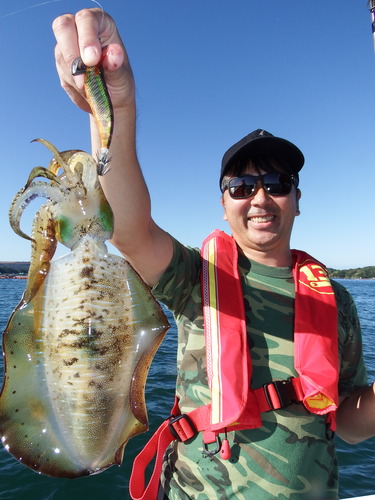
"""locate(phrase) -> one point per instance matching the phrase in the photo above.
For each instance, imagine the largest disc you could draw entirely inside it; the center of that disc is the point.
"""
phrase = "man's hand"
(84, 35)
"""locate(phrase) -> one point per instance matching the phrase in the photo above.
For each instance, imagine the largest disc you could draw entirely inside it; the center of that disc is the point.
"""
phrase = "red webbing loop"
(156, 446)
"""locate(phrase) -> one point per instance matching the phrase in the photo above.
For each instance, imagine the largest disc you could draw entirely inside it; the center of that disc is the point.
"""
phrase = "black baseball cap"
(261, 142)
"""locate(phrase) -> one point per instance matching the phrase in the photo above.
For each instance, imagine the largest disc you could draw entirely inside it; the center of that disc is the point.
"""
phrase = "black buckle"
(285, 391)
(210, 454)
(173, 431)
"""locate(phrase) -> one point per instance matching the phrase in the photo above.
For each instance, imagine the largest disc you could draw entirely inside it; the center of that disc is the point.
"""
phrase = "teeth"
(266, 218)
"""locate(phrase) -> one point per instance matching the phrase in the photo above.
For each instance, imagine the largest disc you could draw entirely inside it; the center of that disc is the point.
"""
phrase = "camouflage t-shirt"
(292, 456)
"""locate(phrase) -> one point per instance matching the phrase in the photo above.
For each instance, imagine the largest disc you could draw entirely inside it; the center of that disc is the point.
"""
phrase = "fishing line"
(41, 4)
(28, 8)
(101, 8)
(371, 6)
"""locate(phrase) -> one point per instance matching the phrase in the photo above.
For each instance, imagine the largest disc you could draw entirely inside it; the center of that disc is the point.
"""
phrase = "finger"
(90, 25)
(113, 57)
(96, 29)
(70, 84)
(64, 29)
(78, 36)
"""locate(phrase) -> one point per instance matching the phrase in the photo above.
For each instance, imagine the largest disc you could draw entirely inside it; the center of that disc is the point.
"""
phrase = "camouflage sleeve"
(179, 279)
(353, 372)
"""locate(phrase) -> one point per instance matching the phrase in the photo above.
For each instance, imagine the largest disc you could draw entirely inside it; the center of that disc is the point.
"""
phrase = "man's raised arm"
(144, 244)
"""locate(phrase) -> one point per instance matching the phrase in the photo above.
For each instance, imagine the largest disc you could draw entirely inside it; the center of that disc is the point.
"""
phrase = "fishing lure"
(100, 103)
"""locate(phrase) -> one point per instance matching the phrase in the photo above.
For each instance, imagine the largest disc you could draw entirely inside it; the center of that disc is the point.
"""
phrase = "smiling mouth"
(264, 218)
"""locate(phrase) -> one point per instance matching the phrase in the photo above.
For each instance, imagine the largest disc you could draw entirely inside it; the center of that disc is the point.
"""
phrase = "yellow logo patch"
(315, 277)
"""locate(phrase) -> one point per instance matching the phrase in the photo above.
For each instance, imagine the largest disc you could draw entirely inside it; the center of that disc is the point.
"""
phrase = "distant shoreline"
(20, 269)
(11, 277)
(14, 270)
(359, 273)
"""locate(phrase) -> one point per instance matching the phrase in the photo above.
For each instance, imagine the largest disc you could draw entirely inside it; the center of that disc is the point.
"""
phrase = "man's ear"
(223, 205)
(298, 197)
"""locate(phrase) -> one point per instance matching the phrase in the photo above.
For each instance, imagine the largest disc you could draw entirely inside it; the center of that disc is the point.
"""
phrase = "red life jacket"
(315, 335)
(234, 405)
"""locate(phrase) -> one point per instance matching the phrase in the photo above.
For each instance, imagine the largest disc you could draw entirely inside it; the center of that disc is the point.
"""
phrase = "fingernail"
(90, 56)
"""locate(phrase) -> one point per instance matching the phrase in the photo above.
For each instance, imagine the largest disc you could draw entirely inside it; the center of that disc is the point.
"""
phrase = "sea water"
(357, 463)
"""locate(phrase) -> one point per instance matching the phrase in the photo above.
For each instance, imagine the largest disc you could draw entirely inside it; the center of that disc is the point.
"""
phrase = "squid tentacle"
(60, 161)
(43, 248)
(24, 197)
(54, 165)
(41, 172)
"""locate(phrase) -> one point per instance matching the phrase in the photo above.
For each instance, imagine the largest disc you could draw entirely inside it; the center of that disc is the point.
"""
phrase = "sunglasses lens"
(241, 187)
(275, 185)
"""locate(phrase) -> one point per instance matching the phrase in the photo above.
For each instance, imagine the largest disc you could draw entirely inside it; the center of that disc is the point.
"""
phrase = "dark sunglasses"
(274, 184)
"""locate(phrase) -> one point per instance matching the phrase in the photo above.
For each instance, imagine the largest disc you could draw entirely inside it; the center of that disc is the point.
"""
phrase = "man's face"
(262, 224)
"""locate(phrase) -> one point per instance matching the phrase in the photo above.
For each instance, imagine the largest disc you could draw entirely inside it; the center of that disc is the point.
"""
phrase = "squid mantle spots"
(87, 272)
(70, 362)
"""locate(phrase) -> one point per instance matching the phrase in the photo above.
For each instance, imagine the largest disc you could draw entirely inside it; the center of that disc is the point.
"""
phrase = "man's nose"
(260, 195)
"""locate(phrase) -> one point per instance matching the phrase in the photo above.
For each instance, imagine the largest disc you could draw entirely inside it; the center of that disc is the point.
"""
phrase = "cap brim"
(275, 147)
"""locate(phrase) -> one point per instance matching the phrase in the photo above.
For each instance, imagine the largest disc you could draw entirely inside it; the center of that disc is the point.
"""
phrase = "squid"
(78, 347)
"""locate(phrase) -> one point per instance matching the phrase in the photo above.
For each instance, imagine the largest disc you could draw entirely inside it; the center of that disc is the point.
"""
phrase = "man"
(275, 448)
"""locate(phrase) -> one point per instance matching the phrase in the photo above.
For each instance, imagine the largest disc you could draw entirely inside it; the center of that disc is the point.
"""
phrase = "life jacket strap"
(184, 427)
(279, 394)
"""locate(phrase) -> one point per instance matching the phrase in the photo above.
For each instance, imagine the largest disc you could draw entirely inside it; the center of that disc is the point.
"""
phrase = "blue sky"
(208, 72)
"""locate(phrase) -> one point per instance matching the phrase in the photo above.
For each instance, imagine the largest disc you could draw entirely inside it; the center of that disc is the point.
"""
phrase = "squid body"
(78, 346)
